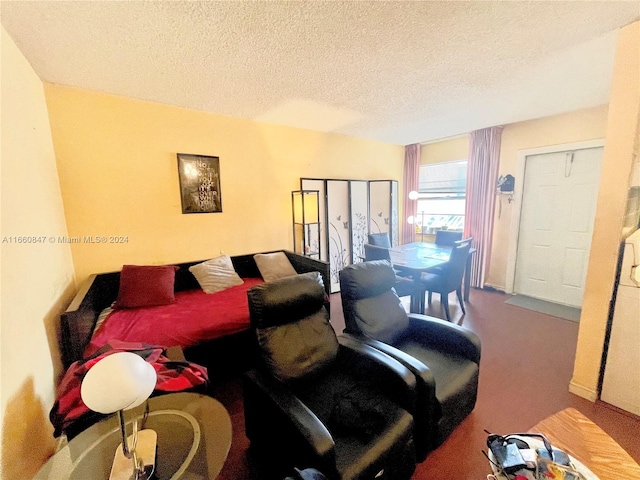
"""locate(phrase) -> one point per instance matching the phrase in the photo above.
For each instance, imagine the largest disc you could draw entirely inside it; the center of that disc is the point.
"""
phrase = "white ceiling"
(399, 72)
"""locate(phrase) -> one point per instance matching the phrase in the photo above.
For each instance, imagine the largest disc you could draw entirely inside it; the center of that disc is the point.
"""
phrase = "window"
(441, 196)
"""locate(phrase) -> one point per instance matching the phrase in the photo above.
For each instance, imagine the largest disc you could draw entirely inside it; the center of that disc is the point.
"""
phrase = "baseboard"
(583, 392)
(493, 288)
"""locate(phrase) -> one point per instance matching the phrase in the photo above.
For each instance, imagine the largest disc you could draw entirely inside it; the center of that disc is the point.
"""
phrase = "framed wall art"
(199, 183)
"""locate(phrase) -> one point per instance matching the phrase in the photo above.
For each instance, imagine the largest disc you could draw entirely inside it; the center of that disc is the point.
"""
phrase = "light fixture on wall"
(119, 382)
(505, 187)
(305, 205)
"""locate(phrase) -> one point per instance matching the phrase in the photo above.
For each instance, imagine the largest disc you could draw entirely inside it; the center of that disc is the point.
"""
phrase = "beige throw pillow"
(273, 266)
(216, 274)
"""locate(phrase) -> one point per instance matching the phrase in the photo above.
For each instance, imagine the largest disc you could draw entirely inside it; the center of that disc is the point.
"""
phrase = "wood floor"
(526, 366)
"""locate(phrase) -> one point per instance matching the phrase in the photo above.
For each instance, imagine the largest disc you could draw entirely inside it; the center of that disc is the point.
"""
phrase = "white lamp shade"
(413, 195)
(120, 381)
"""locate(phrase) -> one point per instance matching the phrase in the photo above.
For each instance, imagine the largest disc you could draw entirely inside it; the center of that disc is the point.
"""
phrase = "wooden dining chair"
(447, 237)
(376, 252)
(404, 286)
(380, 239)
(449, 279)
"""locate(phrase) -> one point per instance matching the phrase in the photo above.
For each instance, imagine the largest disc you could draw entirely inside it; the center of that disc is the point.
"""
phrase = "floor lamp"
(306, 222)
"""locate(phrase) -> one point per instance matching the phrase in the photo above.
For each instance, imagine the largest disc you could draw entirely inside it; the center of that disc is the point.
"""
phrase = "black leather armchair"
(404, 285)
(334, 404)
(444, 357)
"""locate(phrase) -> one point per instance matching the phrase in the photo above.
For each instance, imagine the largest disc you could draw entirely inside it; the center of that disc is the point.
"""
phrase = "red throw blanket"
(172, 377)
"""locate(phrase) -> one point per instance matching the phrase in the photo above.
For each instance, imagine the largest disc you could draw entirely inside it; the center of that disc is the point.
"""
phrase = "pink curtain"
(482, 175)
(411, 177)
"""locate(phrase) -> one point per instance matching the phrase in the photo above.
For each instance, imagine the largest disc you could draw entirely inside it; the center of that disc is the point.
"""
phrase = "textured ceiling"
(399, 72)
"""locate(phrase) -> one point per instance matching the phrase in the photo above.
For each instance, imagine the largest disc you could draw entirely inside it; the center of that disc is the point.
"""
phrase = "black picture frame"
(199, 177)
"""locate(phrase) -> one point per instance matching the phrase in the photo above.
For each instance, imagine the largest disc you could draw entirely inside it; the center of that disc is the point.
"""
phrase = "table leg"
(467, 278)
(418, 297)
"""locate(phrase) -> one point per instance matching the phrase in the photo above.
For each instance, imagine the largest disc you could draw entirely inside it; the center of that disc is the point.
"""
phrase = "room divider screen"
(349, 211)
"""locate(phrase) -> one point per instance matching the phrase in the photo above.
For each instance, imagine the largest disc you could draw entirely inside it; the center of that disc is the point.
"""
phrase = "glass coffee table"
(194, 437)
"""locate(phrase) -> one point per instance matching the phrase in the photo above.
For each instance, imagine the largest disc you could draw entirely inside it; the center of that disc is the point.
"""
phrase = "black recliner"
(404, 285)
(444, 357)
(333, 404)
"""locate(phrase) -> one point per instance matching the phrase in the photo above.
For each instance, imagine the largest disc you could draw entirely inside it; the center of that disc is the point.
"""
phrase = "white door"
(558, 208)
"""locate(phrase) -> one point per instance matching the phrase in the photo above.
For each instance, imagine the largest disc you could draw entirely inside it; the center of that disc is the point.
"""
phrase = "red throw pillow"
(146, 286)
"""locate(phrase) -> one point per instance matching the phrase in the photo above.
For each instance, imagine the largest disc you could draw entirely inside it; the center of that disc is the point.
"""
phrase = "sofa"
(227, 354)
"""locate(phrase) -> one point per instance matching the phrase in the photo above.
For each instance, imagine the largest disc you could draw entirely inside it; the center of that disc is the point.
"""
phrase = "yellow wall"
(37, 278)
(623, 124)
(570, 127)
(118, 173)
(445, 150)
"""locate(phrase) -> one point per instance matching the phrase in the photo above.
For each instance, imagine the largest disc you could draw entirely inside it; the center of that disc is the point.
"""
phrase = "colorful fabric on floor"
(172, 377)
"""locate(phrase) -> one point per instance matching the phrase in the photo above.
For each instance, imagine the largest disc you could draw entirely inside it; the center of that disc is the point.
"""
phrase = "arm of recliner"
(443, 334)
(396, 380)
(271, 409)
(416, 367)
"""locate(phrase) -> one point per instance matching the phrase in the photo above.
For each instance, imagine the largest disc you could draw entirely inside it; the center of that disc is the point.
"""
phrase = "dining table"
(413, 259)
